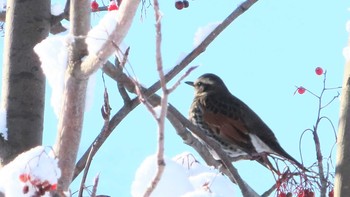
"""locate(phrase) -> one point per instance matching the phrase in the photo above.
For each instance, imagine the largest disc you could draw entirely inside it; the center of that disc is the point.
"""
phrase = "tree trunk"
(342, 176)
(23, 82)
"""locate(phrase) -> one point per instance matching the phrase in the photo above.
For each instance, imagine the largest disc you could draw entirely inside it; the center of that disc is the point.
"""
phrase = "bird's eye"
(199, 84)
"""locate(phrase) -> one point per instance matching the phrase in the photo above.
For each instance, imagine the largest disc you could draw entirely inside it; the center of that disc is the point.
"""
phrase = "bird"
(231, 123)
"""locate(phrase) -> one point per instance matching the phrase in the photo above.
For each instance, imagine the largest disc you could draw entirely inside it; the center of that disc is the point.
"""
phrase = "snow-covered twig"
(125, 17)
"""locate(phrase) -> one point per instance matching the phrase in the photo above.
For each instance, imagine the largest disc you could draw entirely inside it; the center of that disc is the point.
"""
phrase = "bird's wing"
(224, 120)
(235, 121)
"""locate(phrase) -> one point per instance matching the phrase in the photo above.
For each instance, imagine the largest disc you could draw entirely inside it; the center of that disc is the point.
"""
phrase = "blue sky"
(268, 50)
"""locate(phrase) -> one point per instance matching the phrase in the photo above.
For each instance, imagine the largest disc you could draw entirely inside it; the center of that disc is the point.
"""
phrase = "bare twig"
(94, 188)
(269, 191)
(106, 111)
(178, 82)
(164, 105)
(86, 170)
(120, 66)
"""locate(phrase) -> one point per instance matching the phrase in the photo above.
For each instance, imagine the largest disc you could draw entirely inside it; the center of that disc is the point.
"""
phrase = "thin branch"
(106, 111)
(94, 188)
(120, 66)
(86, 170)
(178, 82)
(164, 105)
(269, 191)
(329, 102)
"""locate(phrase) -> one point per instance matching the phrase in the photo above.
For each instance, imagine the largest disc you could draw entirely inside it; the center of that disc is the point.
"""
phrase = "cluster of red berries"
(318, 71)
(112, 5)
(304, 193)
(282, 194)
(41, 186)
(181, 4)
(331, 193)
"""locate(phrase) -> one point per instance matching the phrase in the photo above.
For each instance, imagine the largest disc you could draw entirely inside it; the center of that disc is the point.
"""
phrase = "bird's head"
(207, 83)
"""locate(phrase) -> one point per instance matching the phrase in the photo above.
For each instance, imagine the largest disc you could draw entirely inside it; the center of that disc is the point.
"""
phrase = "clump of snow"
(3, 126)
(181, 57)
(99, 34)
(30, 172)
(203, 32)
(157, 109)
(56, 9)
(183, 176)
(53, 54)
(169, 184)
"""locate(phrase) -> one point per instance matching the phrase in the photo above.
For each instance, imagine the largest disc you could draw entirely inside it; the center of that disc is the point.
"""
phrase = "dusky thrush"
(232, 124)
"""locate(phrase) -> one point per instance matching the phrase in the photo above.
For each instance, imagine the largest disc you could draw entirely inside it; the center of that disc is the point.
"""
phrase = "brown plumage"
(230, 122)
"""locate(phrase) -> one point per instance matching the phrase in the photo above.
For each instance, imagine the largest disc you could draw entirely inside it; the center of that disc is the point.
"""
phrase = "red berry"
(53, 187)
(46, 186)
(319, 71)
(331, 193)
(25, 189)
(301, 90)
(94, 6)
(23, 177)
(112, 6)
(186, 4)
(282, 194)
(179, 5)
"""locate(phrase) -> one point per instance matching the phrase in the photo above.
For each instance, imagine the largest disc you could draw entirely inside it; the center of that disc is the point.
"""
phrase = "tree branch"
(72, 112)
(342, 175)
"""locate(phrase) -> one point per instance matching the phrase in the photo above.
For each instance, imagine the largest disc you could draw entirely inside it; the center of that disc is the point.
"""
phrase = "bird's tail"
(263, 160)
(294, 161)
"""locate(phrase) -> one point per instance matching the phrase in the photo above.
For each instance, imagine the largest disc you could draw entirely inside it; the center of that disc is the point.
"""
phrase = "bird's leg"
(263, 159)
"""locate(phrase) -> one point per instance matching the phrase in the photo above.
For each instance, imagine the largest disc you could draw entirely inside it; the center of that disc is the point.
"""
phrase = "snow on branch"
(109, 42)
(53, 54)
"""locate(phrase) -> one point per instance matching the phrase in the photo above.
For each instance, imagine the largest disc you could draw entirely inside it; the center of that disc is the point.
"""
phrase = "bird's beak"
(189, 83)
